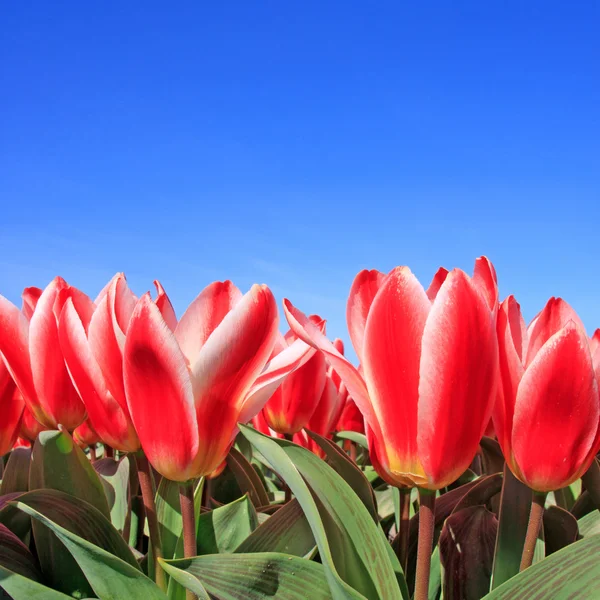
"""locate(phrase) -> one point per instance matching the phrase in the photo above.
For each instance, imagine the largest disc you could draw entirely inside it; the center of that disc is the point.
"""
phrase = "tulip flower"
(548, 413)
(85, 435)
(11, 411)
(187, 389)
(430, 368)
(291, 407)
(351, 418)
(595, 349)
(30, 347)
(30, 426)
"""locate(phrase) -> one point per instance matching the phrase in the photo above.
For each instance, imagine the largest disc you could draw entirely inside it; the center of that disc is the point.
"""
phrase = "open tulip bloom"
(429, 363)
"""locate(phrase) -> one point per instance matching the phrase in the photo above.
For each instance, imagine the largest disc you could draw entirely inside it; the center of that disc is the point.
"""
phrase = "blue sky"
(297, 143)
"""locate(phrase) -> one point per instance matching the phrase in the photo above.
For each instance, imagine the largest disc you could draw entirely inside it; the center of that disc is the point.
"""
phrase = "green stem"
(533, 529)
(186, 500)
(148, 496)
(425, 548)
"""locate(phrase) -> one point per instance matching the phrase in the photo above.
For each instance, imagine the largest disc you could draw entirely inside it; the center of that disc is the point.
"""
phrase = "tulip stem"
(426, 529)
(108, 451)
(404, 528)
(93, 453)
(186, 500)
(533, 529)
(591, 482)
(353, 451)
(286, 488)
(148, 496)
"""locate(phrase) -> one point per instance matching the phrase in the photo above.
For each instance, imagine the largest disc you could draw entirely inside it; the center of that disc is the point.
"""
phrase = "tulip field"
(234, 452)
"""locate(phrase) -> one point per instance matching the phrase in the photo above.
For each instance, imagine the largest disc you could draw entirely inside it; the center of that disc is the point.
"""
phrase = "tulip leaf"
(345, 467)
(168, 513)
(591, 481)
(467, 553)
(560, 529)
(493, 458)
(515, 504)
(247, 478)
(114, 476)
(435, 576)
(110, 577)
(287, 531)
(257, 576)
(590, 524)
(16, 556)
(354, 436)
(485, 489)
(573, 572)
(16, 472)
(353, 551)
(225, 528)
(22, 588)
(13, 518)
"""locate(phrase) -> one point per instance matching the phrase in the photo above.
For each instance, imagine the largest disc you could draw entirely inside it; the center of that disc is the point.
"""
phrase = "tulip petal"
(485, 278)
(14, 347)
(57, 397)
(364, 288)
(552, 318)
(30, 296)
(458, 379)
(11, 403)
(164, 305)
(391, 355)
(227, 366)
(512, 338)
(436, 283)
(204, 315)
(159, 393)
(556, 412)
(307, 331)
(110, 421)
(595, 350)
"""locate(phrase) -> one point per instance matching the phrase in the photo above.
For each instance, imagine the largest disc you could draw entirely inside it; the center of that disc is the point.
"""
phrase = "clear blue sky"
(295, 143)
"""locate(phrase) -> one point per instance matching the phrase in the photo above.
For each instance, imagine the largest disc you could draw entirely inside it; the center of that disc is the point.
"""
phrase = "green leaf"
(345, 467)
(22, 588)
(467, 553)
(225, 528)
(435, 575)
(482, 491)
(114, 476)
(287, 531)
(573, 572)
(353, 551)
(590, 524)
(591, 481)
(16, 556)
(168, 513)
(354, 436)
(13, 518)
(258, 576)
(16, 472)
(247, 478)
(515, 504)
(110, 577)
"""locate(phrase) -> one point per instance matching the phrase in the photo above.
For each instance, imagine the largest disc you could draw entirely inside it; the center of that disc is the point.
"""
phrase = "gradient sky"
(295, 143)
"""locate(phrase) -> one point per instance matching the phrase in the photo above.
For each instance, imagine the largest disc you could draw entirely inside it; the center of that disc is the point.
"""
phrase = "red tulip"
(188, 389)
(547, 418)
(85, 435)
(32, 354)
(595, 349)
(430, 369)
(11, 411)
(351, 418)
(30, 427)
(291, 407)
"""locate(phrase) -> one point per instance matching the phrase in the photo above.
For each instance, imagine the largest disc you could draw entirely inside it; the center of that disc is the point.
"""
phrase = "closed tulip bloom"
(32, 354)
(548, 414)
(290, 408)
(30, 426)
(187, 389)
(85, 435)
(92, 337)
(11, 410)
(429, 361)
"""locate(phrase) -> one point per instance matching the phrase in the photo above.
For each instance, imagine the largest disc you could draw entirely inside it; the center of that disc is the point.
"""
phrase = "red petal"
(30, 296)
(459, 377)
(353, 380)
(110, 421)
(391, 354)
(58, 399)
(556, 412)
(436, 283)
(512, 338)
(364, 288)
(159, 394)
(484, 277)
(12, 405)
(552, 318)
(595, 350)
(166, 308)
(204, 315)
